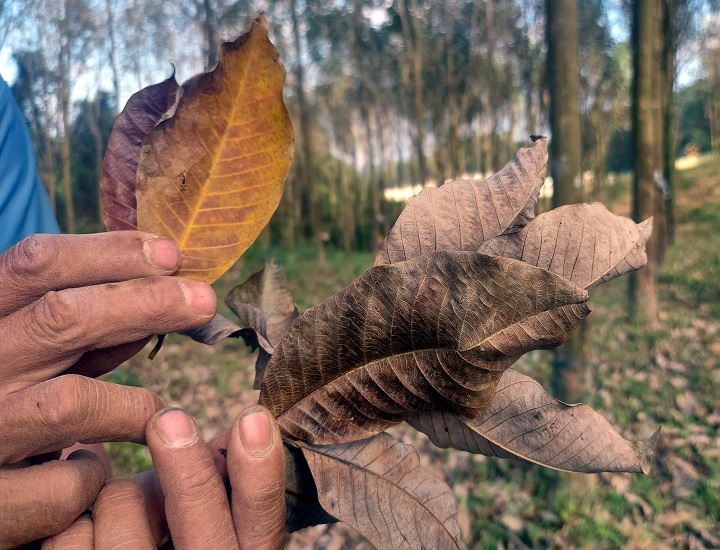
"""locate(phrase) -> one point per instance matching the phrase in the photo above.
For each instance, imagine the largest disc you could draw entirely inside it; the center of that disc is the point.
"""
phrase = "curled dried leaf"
(221, 327)
(377, 487)
(523, 421)
(461, 214)
(437, 331)
(141, 114)
(585, 243)
(265, 303)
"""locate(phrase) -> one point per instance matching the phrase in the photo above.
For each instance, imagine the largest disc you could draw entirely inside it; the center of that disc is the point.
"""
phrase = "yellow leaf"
(211, 176)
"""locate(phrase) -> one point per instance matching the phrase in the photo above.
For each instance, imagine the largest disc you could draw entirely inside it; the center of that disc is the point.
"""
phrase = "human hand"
(83, 304)
(77, 304)
(185, 494)
(41, 496)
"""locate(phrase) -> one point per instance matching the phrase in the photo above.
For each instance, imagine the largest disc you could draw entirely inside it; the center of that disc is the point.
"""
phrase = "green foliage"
(128, 458)
(90, 129)
(310, 281)
(695, 127)
(598, 534)
(124, 377)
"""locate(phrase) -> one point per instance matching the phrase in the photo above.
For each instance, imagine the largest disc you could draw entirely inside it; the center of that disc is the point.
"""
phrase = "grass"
(642, 378)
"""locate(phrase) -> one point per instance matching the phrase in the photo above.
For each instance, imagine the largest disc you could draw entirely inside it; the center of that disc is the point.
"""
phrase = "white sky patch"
(8, 69)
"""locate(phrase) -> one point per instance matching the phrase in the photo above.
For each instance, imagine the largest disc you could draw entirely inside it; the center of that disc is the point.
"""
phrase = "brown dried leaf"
(461, 214)
(434, 332)
(523, 421)
(211, 176)
(221, 327)
(142, 112)
(585, 243)
(265, 303)
(378, 488)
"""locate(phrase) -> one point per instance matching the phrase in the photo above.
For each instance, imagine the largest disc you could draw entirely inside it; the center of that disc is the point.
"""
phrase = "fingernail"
(199, 296)
(256, 432)
(161, 253)
(175, 428)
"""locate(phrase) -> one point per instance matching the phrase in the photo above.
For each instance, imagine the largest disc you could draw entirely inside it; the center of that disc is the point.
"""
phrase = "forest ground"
(641, 379)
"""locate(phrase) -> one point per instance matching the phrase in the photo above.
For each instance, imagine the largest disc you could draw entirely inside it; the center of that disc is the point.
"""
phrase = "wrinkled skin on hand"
(185, 497)
(73, 307)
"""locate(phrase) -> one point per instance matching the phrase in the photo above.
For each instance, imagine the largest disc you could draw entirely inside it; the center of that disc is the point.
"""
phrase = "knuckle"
(70, 496)
(67, 401)
(192, 486)
(57, 316)
(33, 256)
(156, 297)
(120, 493)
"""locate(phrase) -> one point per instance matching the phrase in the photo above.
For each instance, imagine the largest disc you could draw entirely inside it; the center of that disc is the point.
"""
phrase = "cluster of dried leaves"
(467, 281)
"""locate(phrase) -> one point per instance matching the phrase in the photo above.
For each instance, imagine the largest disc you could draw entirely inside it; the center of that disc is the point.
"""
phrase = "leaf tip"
(645, 228)
(261, 20)
(534, 138)
(645, 451)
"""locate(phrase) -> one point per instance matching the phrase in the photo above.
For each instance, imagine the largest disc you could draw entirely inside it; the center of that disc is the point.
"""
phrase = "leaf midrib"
(365, 469)
(421, 350)
(223, 139)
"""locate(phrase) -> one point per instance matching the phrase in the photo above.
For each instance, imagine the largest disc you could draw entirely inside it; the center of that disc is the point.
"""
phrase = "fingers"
(119, 518)
(256, 467)
(194, 492)
(59, 412)
(154, 504)
(41, 501)
(42, 263)
(49, 335)
(79, 536)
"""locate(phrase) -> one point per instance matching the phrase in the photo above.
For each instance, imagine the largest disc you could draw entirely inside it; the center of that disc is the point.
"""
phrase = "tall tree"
(74, 25)
(648, 182)
(564, 87)
(35, 91)
(112, 51)
(306, 168)
(412, 29)
(565, 161)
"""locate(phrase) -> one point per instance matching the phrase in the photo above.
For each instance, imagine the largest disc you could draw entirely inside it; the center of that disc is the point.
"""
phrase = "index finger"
(42, 263)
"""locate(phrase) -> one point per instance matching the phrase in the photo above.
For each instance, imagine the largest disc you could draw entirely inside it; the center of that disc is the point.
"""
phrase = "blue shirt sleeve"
(24, 205)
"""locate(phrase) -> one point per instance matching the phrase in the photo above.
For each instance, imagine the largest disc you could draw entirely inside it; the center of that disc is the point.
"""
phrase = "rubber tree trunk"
(569, 378)
(64, 67)
(306, 169)
(412, 28)
(669, 48)
(648, 182)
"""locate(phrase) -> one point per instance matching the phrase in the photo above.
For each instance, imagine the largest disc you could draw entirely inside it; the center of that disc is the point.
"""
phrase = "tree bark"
(64, 101)
(453, 145)
(569, 378)
(647, 197)
(564, 87)
(112, 53)
(212, 42)
(669, 48)
(414, 46)
(94, 125)
(306, 168)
